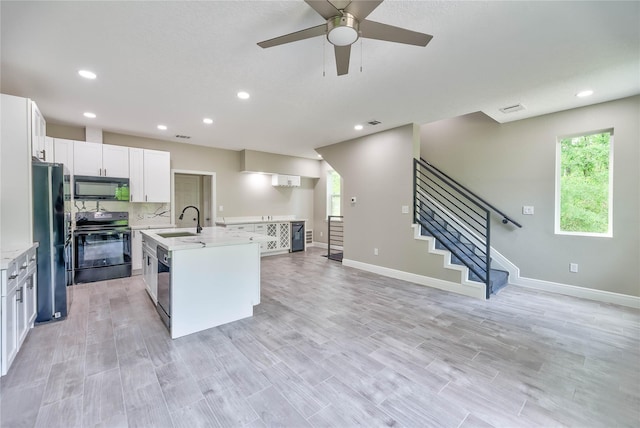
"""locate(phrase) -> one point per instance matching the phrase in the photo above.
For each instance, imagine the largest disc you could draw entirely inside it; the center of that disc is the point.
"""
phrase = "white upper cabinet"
(149, 175)
(104, 160)
(136, 174)
(63, 152)
(49, 155)
(157, 176)
(16, 229)
(38, 133)
(285, 180)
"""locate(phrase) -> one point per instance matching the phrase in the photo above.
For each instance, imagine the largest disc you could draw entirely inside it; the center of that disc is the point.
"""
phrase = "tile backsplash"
(139, 213)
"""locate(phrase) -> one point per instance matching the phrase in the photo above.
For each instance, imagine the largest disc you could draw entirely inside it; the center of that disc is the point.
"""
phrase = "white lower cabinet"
(9, 329)
(136, 250)
(150, 270)
(280, 231)
(19, 291)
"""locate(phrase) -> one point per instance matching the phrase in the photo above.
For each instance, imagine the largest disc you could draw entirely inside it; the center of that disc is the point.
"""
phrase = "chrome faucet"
(198, 227)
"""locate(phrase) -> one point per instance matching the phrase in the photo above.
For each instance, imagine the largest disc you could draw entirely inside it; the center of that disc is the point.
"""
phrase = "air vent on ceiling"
(185, 137)
(374, 122)
(512, 109)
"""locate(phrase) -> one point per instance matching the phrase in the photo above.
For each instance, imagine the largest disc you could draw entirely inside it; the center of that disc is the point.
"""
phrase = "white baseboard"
(470, 289)
(320, 245)
(575, 291)
(554, 287)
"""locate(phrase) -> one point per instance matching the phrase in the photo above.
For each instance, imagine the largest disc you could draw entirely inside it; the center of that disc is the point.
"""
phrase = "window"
(333, 193)
(584, 184)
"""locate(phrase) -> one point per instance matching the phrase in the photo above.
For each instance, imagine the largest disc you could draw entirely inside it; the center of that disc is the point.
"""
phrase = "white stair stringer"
(468, 288)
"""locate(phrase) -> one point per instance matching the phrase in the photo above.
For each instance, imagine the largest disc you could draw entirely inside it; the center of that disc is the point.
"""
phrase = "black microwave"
(89, 188)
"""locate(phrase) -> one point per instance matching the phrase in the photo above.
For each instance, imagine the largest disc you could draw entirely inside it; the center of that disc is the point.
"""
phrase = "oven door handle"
(102, 232)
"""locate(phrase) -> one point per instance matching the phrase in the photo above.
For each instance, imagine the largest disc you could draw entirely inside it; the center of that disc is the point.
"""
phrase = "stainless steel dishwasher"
(164, 285)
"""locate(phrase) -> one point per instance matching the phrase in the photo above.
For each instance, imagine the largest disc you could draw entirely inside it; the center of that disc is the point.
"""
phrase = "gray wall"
(513, 164)
(241, 194)
(378, 170)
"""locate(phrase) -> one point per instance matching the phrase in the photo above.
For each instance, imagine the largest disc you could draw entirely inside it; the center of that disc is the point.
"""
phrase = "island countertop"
(209, 237)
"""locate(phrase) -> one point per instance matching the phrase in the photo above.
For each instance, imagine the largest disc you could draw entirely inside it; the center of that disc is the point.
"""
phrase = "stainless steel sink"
(175, 234)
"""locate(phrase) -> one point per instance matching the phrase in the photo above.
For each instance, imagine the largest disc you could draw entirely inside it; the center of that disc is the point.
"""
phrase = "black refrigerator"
(51, 231)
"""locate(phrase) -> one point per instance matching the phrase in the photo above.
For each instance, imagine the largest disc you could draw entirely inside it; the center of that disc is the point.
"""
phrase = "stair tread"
(462, 251)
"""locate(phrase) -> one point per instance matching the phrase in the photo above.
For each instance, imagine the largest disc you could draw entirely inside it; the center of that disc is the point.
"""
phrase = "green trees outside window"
(333, 193)
(584, 182)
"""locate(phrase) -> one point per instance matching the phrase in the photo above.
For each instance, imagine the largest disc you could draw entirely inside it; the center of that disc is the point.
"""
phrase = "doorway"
(195, 188)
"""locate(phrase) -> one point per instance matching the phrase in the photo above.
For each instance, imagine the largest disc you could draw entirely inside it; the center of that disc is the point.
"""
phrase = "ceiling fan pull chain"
(324, 54)
(360, 54)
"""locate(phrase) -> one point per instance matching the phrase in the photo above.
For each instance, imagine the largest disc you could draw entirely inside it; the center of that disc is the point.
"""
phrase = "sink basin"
(175, 234)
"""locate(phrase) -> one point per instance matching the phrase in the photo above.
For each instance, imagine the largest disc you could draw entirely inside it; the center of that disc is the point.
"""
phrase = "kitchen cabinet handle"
(145, 198)
(23, 267)
(105, 172)
(13, 276)
(30, 283)
(44, 153)
(21, 290)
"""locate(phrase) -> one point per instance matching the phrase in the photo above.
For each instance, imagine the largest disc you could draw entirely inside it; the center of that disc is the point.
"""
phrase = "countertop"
(257, 220)
(6, 256)
(151, 226)
(209, 237)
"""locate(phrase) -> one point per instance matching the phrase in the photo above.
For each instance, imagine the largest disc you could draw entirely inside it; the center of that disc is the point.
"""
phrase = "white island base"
(212, 286)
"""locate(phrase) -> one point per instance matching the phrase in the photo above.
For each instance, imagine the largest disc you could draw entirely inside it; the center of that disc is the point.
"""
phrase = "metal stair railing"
(452, 213)
(335, 237)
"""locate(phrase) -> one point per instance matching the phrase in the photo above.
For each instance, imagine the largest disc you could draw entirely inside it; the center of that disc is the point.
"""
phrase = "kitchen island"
(205, 279)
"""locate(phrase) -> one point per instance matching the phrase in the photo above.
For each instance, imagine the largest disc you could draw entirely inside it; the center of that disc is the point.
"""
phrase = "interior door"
(188, 191)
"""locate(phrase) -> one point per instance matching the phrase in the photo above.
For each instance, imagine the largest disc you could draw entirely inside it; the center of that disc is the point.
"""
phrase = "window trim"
(558, 177)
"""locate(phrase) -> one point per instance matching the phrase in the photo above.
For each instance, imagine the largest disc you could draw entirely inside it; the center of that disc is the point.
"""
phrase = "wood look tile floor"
(331, 346)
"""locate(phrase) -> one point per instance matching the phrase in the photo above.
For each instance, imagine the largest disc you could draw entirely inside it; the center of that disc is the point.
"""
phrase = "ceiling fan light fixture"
(342, 30)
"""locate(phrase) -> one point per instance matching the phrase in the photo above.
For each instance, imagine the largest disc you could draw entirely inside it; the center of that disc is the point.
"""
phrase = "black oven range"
(102, 246)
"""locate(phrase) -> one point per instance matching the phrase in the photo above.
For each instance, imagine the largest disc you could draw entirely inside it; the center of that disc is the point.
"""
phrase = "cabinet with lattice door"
(282, 233)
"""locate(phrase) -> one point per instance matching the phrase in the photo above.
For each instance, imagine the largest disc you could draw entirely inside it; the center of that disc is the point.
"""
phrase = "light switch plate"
(405, 209)
(527, 209)
(573, 267)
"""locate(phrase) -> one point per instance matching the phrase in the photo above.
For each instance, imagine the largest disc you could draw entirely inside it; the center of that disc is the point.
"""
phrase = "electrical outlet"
(573, 267)
(527, 210)
(321, 234)
(375, 251)
(220, 208)
(405, 209)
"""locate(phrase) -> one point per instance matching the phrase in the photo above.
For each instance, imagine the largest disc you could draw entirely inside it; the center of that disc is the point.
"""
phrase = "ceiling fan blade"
(362, 8)
(343, 53)
(324, 8)
(294, 37)
(389, 33)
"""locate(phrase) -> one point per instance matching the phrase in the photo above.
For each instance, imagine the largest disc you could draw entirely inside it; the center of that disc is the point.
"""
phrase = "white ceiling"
(178, 62)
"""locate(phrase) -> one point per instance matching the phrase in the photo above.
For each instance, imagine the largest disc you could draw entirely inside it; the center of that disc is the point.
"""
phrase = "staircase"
(463, 251)
(460, 221)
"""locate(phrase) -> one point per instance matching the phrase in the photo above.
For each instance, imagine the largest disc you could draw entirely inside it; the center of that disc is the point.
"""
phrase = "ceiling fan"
(345, 24)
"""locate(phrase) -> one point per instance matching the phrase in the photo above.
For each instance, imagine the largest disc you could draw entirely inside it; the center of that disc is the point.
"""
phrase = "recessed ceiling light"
(87, 74)
(584, 93)
(162, 127)
(243, 95)
(207, 121)
(90, 115)
(320, 156)
(358, 127)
